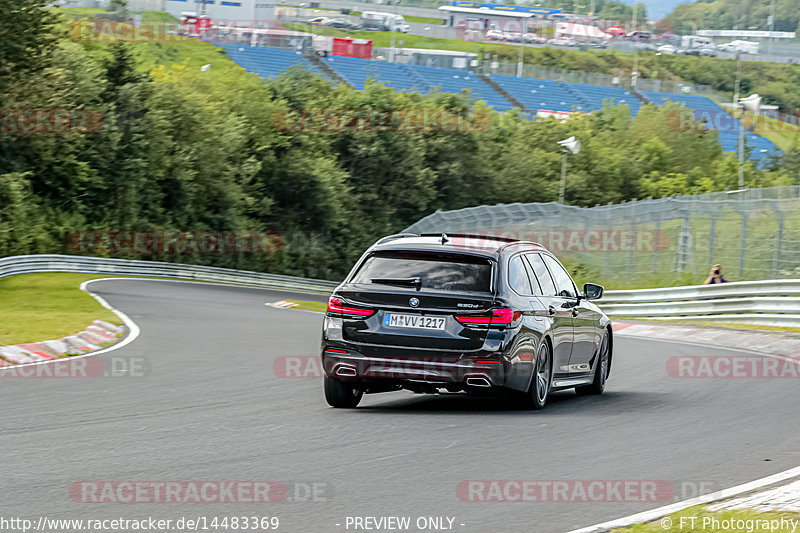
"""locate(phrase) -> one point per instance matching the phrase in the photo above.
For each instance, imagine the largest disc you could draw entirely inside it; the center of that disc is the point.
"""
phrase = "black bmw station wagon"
(463, 313)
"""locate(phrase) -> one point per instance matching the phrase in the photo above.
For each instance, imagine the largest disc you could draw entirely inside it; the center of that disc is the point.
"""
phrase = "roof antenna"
(444, 238)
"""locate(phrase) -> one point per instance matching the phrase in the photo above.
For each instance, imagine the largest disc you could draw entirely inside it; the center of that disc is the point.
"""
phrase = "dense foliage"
(741, 14)
(185, 149)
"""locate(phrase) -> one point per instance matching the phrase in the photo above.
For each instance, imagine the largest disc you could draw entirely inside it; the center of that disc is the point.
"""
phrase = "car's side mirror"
(593, 291)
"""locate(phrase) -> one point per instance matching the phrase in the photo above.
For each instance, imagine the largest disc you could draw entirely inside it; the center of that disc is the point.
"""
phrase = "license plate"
(413, 321)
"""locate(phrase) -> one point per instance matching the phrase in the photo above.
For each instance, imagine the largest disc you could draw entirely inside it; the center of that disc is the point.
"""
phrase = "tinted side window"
(518, 277)
(541, 274)
(563, 282)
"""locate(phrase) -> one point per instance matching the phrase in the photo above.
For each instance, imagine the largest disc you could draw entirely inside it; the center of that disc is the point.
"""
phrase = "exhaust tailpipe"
(478, 382)
(346, 371)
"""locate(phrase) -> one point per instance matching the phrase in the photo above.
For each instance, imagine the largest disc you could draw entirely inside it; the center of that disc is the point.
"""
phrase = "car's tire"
(539, 390)
(600, 372)
(341, 395)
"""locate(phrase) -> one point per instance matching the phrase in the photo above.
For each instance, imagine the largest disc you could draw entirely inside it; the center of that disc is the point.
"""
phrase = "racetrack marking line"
(133, 330)
(654, 514)
(291, 307)
(283, 304)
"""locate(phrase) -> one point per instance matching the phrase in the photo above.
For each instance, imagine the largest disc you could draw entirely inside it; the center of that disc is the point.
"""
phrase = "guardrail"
(29, 264)
(762, 303)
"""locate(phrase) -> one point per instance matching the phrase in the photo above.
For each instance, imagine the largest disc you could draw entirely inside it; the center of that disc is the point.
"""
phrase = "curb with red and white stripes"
(87, 341)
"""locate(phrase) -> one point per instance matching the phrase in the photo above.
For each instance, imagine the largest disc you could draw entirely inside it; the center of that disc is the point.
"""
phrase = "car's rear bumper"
(470, 372)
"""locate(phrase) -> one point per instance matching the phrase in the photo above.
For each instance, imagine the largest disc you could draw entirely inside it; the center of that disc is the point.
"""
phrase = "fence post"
(655, 249)
(778, 239)
(711, 233)
(742, 244)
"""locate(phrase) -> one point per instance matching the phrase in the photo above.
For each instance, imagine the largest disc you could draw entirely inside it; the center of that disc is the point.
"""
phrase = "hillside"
(729, 14)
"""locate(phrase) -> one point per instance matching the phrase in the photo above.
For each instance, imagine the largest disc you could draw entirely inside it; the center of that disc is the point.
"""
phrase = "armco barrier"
(29, 264)
(760, 303)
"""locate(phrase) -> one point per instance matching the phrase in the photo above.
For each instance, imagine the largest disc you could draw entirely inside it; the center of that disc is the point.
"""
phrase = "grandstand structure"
(499, 91)
(705, 109)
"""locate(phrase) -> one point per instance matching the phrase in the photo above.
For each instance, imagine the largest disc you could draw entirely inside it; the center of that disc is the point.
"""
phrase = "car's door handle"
(575, 311)
(551, 310)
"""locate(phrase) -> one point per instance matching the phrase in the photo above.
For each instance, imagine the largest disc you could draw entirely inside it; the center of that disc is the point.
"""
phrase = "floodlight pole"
(736, 103)
(563, 187)
(635, 73)
(394, 32)
(741, 151)
(771, 25)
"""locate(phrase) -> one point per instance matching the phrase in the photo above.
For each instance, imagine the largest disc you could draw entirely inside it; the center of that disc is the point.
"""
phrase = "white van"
(384, 21)
(745, 47)
(695, 41)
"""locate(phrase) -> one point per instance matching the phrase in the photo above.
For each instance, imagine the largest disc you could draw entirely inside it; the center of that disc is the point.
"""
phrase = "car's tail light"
(336, 307)
(500, 317)
(504, 316)
(474, 319)
(335, 350)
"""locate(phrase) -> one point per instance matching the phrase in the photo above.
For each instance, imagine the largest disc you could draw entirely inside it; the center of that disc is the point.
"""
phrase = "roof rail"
(472, 235)
(526, 243)
(394, 237)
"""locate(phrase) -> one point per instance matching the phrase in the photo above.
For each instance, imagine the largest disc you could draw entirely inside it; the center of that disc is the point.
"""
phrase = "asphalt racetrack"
(210, 407)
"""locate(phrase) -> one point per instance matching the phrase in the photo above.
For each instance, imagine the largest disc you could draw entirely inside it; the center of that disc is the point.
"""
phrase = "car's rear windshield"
(437, 271)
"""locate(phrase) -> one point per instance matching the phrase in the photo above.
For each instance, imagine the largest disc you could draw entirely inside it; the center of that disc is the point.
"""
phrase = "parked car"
(463, 313)
(703, 51)
(639, 35)
(343, 24)
(562, 42)
(533, 38)
(707, 51)
(494, 35)
(666, 49)
(318, 20)
(512, 36)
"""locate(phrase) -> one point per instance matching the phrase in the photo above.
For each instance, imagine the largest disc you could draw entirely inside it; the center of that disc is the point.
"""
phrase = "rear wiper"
(405, 282)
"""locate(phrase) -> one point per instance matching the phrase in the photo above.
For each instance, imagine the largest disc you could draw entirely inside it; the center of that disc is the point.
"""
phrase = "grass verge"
(697, 519)
(38, 307)
(318, 307)
(784, 134)
(147, 16)
(423, 20)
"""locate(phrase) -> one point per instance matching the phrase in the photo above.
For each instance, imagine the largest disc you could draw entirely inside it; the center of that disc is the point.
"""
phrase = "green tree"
(28, 38)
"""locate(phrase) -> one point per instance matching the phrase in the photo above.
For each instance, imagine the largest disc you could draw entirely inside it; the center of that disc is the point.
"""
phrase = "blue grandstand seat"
(538, 94)
(416, 78)
(266, 62)
(706, 109)
(454, 80)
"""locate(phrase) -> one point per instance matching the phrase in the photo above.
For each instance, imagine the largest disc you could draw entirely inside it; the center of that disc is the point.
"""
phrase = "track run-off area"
(208, 404)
